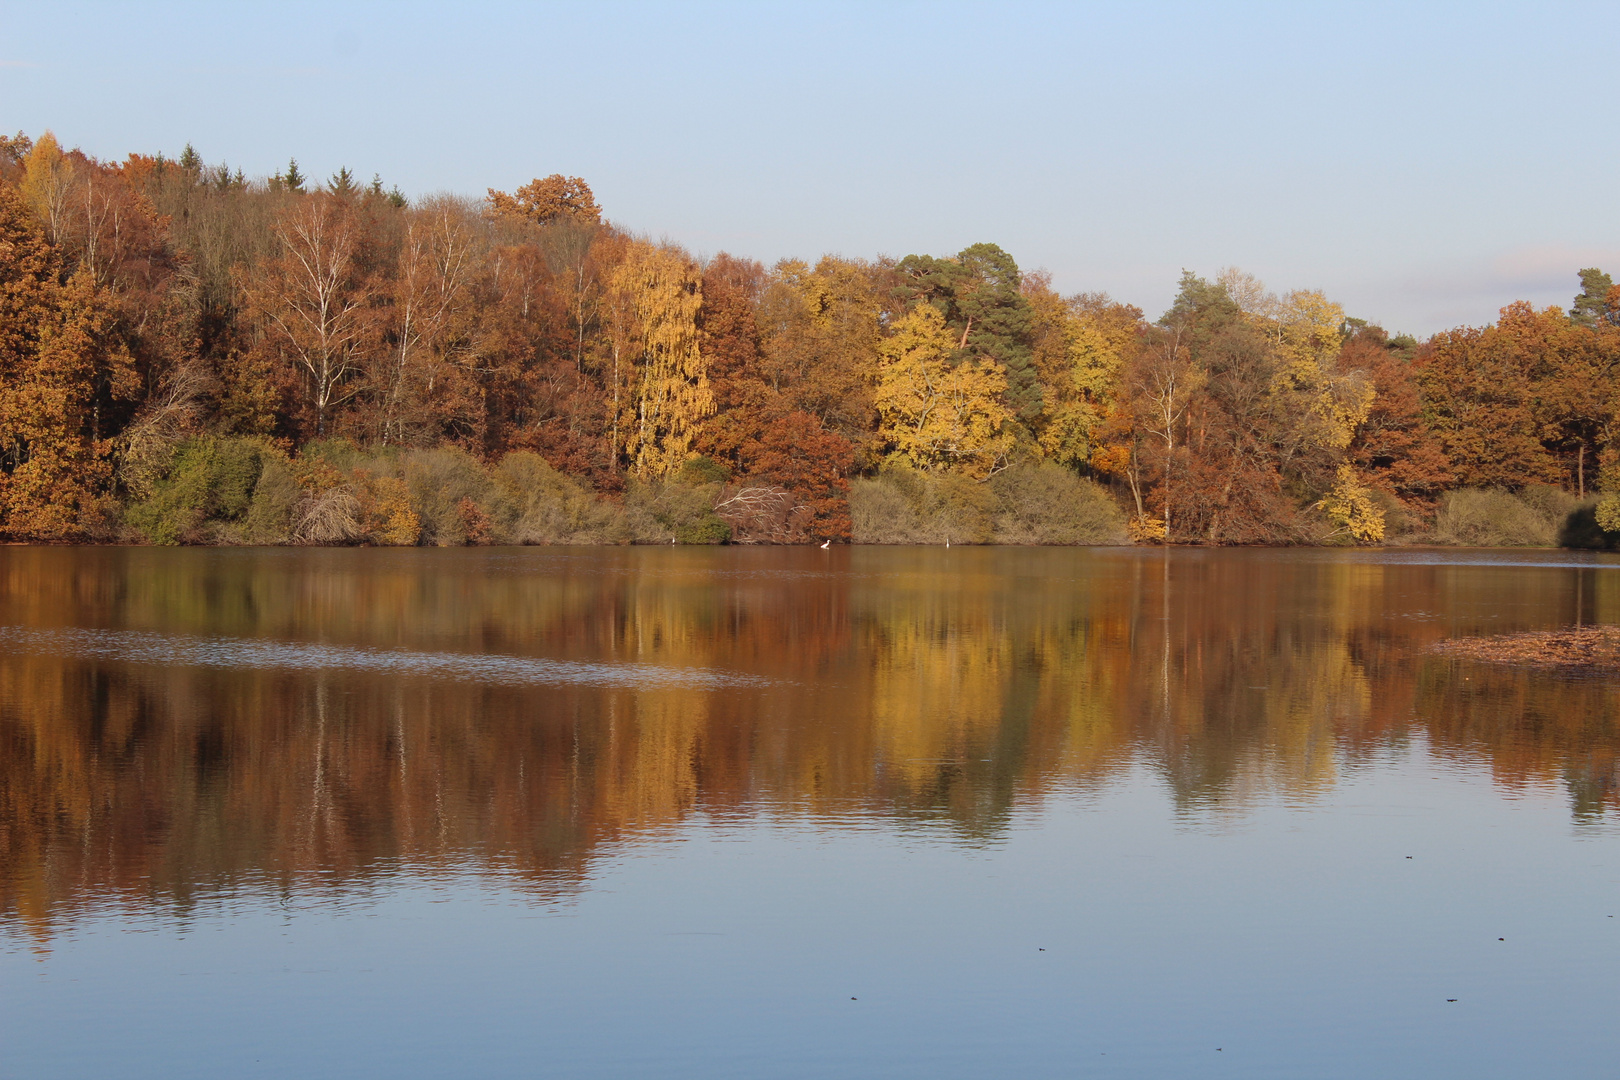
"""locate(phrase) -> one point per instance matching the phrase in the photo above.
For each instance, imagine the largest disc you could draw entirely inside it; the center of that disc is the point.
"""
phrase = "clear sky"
(1423, 163)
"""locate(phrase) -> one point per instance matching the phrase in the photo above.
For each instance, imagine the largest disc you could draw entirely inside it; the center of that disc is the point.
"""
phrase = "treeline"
(190, 356)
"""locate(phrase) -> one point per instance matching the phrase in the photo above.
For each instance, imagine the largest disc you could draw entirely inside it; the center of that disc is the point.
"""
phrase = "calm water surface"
(801, 813)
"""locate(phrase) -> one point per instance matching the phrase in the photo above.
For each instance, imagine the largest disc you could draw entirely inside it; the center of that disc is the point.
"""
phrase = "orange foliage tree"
(313, 305)
(57, 351)
(1483, 401)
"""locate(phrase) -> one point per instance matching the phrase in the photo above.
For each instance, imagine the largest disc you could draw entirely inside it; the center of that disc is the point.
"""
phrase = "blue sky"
(1422, 163)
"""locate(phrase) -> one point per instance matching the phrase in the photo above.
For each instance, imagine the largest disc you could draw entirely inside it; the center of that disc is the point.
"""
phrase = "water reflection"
(176, 722)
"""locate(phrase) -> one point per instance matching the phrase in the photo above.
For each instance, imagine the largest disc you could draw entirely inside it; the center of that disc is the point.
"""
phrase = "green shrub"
(708, 529)
(340, 454)
(209, 482)
(238, 464)
(661, 512)
(1400, 522)
(1553, 505)
(442, 483)
(700, 470)
(1491, 517)
(179, 502)
(904, 505)
(536, 504)
(1048, 504)
(269, 517)
(880, 513)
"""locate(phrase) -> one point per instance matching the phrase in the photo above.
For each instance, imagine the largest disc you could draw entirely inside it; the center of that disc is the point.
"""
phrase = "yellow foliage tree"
(1096, 338)
(820, 330)
(1308, 333)
(47, 176)
(1608, 513)
(657, 294)
(936, 414)
(1306, 330)
(386, 513)
(1310, 327)
(1350, 507)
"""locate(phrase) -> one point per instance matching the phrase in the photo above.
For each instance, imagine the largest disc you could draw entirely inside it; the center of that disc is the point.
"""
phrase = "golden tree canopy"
(657, 296)
(936, 414)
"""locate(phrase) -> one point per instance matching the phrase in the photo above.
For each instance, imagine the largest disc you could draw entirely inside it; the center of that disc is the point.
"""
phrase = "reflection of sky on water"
(1101, 936)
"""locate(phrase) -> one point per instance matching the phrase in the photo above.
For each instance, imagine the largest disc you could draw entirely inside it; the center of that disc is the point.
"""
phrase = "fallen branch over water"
(1580, 648)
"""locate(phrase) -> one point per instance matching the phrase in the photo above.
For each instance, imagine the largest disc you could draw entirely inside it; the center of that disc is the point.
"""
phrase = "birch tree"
(432, 293)
(657, 294)
(313, 301)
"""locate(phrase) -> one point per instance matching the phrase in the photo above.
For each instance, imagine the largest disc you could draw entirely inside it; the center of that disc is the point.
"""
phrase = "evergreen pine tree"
(342, 183)
(1591, 307)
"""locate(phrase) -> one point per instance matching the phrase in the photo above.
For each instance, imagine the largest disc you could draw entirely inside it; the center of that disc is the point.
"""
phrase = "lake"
(755, 812)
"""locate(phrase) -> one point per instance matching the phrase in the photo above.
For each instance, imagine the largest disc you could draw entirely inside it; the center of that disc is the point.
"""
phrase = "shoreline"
(1389, 546)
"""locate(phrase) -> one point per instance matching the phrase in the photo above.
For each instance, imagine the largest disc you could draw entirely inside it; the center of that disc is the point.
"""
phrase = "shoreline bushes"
(240, 490)
(1025, 504)
(233, 490)
(1537, 515)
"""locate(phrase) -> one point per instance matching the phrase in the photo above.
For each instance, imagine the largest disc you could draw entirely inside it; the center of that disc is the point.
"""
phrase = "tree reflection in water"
(924, 686)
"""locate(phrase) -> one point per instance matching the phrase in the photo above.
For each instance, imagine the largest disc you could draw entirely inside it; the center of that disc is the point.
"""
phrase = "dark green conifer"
(1591, 307)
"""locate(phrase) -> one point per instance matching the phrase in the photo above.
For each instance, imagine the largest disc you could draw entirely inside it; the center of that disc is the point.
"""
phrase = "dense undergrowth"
(1034, 504)
(1538, 515)
(242, 490)
(247, 491)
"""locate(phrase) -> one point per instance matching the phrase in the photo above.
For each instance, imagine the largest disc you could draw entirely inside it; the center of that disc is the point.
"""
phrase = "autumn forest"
(191, 356)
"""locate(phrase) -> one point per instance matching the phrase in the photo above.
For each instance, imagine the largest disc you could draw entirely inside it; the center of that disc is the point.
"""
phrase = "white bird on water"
(827, 543)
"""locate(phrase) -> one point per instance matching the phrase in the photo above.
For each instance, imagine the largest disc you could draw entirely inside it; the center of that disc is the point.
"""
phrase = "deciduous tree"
(937, 413)
(57, 349)
(425, 382)
(1394, 449)
(546, 201)
(658, 293)
(313, 304)
(1480, 398)
(820, 328)
(1081, 346)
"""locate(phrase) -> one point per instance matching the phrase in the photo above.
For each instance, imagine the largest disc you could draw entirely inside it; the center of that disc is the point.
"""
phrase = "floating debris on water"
(1577, 648)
